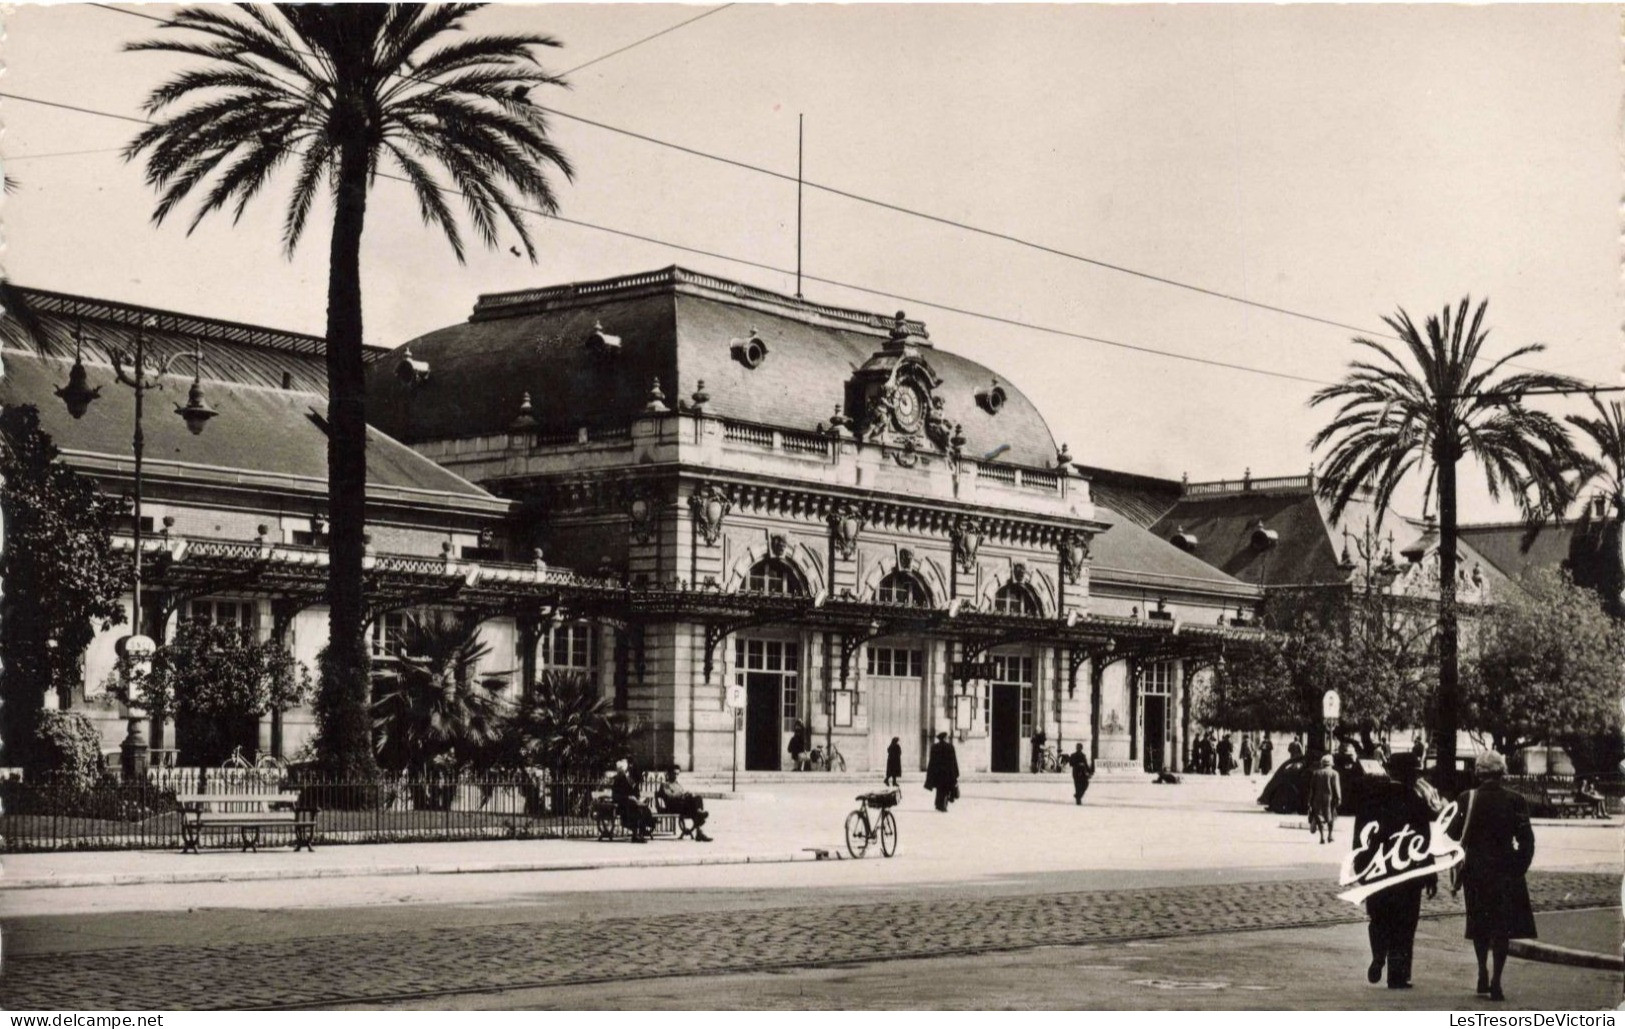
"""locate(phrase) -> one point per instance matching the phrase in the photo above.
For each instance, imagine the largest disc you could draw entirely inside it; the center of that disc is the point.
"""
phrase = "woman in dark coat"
(1266, 756)
(1492, 824)
(894, 762)
(1226, 761)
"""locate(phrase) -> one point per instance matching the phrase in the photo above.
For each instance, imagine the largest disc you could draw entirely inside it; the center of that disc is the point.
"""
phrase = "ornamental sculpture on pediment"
(710, 506)
(845, 523)
(967, 537)
(641, 507)
(1074, 555)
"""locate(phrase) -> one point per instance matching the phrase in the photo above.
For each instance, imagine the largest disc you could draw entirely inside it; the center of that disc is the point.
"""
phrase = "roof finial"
(657, 400)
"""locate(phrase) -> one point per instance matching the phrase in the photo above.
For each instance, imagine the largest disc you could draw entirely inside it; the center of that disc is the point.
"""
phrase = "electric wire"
(905, 210)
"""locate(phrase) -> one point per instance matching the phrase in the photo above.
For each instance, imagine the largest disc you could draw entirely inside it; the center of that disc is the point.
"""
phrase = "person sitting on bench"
(1587, 794)
(676, 800)
(635, 816)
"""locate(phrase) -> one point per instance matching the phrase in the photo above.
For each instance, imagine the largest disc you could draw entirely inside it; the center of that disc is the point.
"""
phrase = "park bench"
(1563, 803)
(667, 824)
(248, 814)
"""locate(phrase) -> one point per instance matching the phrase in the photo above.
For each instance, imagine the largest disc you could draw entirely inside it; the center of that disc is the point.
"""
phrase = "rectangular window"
(1026, 711)
(241, 613)
(1157, 680)
(386, 634)
(573, 647)
(303, 538)
(897, 662)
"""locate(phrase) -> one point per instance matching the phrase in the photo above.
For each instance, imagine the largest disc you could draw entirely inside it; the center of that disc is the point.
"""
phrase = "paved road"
(350, 957)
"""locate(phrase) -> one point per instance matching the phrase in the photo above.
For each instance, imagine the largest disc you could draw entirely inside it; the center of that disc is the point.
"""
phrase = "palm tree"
(338, 92)
(1595, 554)
(1396, 416)
(431, 713)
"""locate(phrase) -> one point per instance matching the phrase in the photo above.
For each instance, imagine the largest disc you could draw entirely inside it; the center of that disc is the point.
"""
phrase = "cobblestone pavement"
(438, 960)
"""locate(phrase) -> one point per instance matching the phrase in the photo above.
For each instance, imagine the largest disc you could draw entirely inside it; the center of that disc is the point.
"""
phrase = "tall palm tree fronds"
(1423, 405)
(1597, 548)
(337, 95)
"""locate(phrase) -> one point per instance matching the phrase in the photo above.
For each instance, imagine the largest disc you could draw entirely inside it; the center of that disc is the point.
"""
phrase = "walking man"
(1081, 771)
(942, 771)
(1398, 811)
(1246, 755)
(1266, 756)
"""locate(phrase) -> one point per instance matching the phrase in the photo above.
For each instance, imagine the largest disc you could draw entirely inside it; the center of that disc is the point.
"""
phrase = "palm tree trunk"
(1449, 699)
(346, 737)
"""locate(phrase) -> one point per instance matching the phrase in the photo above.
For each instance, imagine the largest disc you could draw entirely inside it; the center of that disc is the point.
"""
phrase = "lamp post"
(136, 650)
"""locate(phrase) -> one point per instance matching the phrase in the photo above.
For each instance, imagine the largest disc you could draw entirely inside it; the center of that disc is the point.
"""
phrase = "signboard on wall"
(964, 711)
(843, 708)
(964, 671)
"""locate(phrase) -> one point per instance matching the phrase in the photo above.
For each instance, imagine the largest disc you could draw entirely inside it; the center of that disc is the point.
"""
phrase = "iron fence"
(141, 815)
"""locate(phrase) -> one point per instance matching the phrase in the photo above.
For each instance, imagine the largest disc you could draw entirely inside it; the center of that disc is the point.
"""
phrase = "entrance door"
(762, 736)
(1156, 732)
(1006, 728)
(895, 688)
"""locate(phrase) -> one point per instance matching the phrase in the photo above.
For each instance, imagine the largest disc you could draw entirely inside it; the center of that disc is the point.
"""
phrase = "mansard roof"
(44, 322)
(271, 439)
(588, 353)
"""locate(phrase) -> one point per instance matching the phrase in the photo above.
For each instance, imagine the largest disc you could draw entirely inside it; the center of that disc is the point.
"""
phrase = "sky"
(1340, 161)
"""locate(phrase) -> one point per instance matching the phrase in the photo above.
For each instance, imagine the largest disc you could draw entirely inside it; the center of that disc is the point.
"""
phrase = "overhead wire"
(900, 208)
(867, 290)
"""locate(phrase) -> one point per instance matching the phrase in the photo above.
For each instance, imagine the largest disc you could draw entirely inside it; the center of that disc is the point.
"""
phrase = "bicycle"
(266, 769)
(861, 831)
(1050, 759)
(826, 760)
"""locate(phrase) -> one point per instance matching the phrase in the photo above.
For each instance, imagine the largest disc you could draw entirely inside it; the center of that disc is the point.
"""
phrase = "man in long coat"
(1325, 797)
(1493, 826)
(1395, 806)
(942, 771)
(1081, 771)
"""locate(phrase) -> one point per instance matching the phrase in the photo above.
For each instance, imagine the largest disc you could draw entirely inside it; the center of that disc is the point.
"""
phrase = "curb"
(367, 871)
(1552, 954)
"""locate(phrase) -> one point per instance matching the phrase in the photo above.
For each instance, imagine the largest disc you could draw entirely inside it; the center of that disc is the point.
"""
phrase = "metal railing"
(111, 815)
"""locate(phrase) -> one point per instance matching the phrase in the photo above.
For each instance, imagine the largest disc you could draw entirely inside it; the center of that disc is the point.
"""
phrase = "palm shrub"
(434, 718)
(1422, 406)
(565, 727)
(341, 95)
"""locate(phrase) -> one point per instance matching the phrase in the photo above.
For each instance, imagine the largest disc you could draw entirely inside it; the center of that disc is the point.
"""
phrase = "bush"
(70, 749)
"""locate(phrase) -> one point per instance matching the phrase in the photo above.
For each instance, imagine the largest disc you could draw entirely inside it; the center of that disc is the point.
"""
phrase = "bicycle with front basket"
(862, 829)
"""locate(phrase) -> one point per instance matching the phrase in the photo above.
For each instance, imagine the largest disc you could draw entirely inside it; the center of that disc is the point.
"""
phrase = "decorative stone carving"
(893, 395)
(905, 559)
(845, 523)
(778, 545)
(967, 537)
(641, 510)
(709, 506)
(657, 400)
(1074, 556)
(1018, 572)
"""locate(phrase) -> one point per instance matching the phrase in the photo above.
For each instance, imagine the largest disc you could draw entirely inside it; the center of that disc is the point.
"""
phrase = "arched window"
(903, 588)
(1014, 598)
(770, 575)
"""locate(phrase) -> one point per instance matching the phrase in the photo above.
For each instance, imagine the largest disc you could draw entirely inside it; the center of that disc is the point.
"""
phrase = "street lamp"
(196, 412)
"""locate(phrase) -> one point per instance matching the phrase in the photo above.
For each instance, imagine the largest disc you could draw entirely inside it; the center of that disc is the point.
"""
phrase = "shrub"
(70, 749)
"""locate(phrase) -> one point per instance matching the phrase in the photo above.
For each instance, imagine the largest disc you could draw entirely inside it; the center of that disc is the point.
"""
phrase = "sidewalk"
(998, 828)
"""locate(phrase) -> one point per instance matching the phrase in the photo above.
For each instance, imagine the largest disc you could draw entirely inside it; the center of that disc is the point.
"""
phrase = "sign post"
(736, 705)
(1331, 710)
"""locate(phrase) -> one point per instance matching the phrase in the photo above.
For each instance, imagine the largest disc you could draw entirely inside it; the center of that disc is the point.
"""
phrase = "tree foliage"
(1372, 650)
(339, 94)
(1597, 548)
(61, 578)
(216, 679)
(70, 749)
(1549, 665)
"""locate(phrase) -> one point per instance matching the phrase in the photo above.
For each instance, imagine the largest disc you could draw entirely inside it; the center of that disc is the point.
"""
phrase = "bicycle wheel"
(857, 834)
(888, 834)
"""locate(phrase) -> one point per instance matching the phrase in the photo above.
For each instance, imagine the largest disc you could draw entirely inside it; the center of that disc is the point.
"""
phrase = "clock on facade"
(908, 409)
